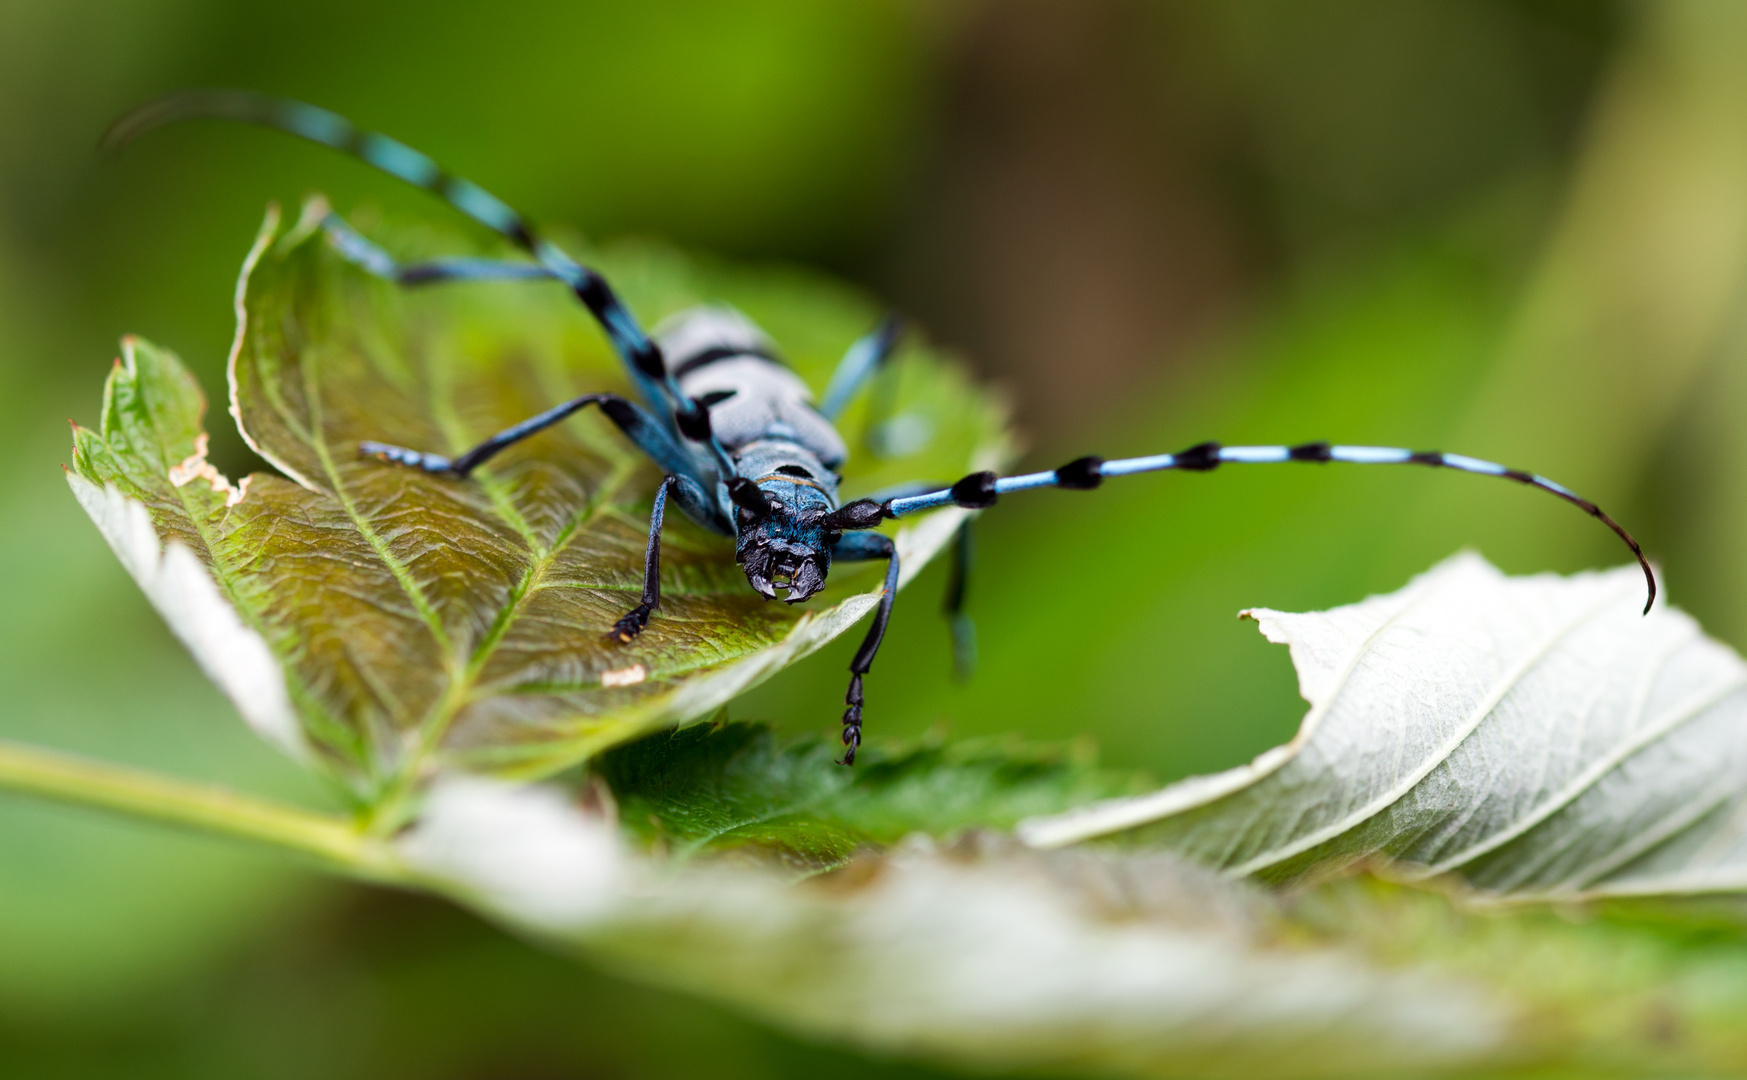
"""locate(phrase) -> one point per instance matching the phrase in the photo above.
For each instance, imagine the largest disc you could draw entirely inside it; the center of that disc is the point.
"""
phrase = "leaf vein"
(1401, 788)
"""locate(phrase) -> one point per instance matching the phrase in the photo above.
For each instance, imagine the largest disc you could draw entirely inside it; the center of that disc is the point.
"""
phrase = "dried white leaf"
(989, 954)
(521, 851)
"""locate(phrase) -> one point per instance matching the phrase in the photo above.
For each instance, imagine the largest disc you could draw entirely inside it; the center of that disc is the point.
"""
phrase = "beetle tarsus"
(627, 628)
(852, 720)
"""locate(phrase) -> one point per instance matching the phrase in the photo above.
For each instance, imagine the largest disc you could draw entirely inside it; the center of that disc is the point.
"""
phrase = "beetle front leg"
(627, 628)
(853, 547)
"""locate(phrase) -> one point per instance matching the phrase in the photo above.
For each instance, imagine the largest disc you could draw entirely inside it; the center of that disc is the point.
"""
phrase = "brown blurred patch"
(1066, 231)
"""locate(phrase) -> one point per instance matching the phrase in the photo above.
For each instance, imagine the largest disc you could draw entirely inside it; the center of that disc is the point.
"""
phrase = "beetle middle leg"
(638, 426)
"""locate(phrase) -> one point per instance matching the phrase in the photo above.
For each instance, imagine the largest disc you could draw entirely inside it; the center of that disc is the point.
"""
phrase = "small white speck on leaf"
(630, 676)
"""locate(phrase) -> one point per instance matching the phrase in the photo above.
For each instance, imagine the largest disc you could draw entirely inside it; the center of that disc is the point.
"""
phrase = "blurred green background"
(1514, 228)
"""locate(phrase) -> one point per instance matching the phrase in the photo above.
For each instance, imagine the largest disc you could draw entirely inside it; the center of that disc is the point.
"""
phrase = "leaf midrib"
(460, 677)
(461, 682)
(540, 564)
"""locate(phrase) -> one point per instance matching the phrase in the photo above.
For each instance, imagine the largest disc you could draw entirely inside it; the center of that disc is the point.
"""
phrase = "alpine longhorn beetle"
(746, 451)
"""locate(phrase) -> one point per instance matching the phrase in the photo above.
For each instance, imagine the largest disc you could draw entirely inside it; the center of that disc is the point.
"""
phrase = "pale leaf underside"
(981, 953)
(1535, 735)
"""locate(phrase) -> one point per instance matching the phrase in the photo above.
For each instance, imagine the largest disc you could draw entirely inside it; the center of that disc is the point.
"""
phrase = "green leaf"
(387, 622)
(734, 786)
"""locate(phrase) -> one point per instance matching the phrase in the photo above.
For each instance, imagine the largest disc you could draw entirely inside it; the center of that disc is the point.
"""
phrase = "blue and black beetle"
(747, 451)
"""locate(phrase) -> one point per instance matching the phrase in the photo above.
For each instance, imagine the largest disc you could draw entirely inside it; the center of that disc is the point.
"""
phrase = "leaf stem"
(332, 841)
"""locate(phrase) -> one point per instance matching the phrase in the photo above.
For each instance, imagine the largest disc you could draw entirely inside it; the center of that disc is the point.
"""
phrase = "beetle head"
(784, 548)
(783, 500)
